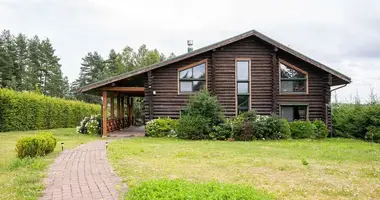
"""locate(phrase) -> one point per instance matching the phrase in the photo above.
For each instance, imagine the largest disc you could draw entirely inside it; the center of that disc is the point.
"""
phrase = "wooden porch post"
(122, 112)
(104, 114)
(118, 110)
(130, 111)
(112, 102)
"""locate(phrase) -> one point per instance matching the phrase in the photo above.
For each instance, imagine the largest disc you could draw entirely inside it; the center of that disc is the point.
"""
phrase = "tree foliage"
(30, 64)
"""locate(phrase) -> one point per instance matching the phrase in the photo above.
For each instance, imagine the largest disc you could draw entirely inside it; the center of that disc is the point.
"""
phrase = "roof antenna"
(189, 46)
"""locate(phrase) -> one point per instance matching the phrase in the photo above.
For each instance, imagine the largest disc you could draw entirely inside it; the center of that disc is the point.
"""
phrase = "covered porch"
(120, 123)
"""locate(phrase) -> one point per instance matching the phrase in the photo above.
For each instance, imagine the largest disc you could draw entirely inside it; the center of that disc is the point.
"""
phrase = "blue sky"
(342, 34)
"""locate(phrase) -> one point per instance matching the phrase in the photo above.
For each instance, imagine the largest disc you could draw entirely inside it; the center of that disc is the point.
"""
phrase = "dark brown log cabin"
(247, 72)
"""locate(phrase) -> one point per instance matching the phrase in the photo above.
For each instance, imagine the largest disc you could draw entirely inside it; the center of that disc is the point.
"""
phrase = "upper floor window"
(293, 79)
(192, 78)
(243, 85)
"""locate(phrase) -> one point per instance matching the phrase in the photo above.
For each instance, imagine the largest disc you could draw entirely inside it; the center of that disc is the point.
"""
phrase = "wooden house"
(249, 71)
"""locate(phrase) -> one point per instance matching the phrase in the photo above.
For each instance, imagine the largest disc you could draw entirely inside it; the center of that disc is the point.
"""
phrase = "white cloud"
(342, 34)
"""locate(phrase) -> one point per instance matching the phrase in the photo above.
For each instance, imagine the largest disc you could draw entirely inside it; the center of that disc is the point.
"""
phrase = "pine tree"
(21, 61)
(6, 66)
(33, 69)
(9, 56)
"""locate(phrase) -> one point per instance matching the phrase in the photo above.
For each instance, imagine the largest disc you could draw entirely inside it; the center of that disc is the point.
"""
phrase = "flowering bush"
(90, 125)
(161, 127)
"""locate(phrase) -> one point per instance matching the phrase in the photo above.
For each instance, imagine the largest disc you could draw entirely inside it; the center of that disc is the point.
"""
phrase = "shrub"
(302, 129)
(321, 130)
(373, 134)
(90, 125)
(182, 189)
(20, 111)
(270, 127)
(193, 127)
(222, 131)
(51, 139)
(38, 145)
(354, 120)
(242, 125)
(206, 105)
(93, 126)
(161, 127)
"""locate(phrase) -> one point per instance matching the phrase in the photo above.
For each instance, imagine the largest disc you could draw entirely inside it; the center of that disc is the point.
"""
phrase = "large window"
(192, 78)
(243, 85)
(293, 79)
(294, 112)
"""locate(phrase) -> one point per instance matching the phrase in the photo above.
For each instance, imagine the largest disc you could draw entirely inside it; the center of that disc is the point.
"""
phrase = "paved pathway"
(83, 173)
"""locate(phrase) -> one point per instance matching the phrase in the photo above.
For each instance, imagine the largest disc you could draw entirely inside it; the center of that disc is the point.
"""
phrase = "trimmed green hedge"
(21, 111)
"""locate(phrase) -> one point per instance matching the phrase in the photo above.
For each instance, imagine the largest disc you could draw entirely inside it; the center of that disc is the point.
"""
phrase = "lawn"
(22, 178)
(288, 169)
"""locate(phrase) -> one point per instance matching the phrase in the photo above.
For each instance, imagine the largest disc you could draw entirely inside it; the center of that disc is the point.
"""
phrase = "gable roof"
(222, 43)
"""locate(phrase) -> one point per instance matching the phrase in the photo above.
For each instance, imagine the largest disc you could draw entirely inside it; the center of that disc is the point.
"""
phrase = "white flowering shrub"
(89, 125)
(161, 127)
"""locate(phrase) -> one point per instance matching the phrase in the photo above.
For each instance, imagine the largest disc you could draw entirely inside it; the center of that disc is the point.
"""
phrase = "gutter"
(339, 87)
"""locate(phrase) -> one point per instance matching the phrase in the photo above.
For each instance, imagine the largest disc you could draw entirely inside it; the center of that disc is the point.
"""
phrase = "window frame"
(243, 81)
(287, 64)
(204, 61)
(294, 105)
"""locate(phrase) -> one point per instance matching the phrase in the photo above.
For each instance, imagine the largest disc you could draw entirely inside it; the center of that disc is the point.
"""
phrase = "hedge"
(21, 111)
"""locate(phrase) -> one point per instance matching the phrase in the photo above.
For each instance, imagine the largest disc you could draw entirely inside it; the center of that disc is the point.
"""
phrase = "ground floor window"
(294, 112)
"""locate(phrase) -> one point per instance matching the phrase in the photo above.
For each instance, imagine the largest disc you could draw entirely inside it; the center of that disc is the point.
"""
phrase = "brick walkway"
(83, 173)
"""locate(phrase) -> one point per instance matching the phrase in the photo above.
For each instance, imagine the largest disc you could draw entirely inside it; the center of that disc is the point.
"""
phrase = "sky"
(343, 34)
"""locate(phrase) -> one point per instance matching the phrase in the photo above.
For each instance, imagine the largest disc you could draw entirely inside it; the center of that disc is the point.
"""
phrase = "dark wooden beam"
(112, 103)
(122, 111)
(104, 134)
(150, 94)
(118, 106)
(123, 89)
(130, 112)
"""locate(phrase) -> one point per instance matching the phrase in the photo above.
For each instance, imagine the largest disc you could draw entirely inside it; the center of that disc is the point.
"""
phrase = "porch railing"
(116, 124)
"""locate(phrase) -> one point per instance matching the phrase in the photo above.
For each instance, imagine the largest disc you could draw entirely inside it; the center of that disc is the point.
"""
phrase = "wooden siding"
(265, 96)
(167, 102)
(318, 89)
(261, 70)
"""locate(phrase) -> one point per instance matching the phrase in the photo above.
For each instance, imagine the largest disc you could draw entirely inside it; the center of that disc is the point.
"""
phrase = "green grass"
(291, 169)
(22, 178)
(181, 189)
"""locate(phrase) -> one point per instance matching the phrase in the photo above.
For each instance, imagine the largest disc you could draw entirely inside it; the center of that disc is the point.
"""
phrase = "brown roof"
(276, 44)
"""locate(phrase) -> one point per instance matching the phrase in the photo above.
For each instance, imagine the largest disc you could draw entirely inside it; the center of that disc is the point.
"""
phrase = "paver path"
(83, 173)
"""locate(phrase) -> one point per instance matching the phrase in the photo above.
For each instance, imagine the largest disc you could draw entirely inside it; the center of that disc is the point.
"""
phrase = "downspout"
(330, 104)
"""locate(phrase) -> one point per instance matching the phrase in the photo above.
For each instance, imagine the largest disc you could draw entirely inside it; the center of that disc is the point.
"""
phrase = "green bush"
(161, 127)
(355, 120)
(37, 145)
(242, 125)
(206, 105)
(193, 127)
(270, 127)
(222, 131)
(373, 134)
(302, 129)
(51, 140)
(90, 125)
(321, 130)
(20, 111)
(181, 189)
